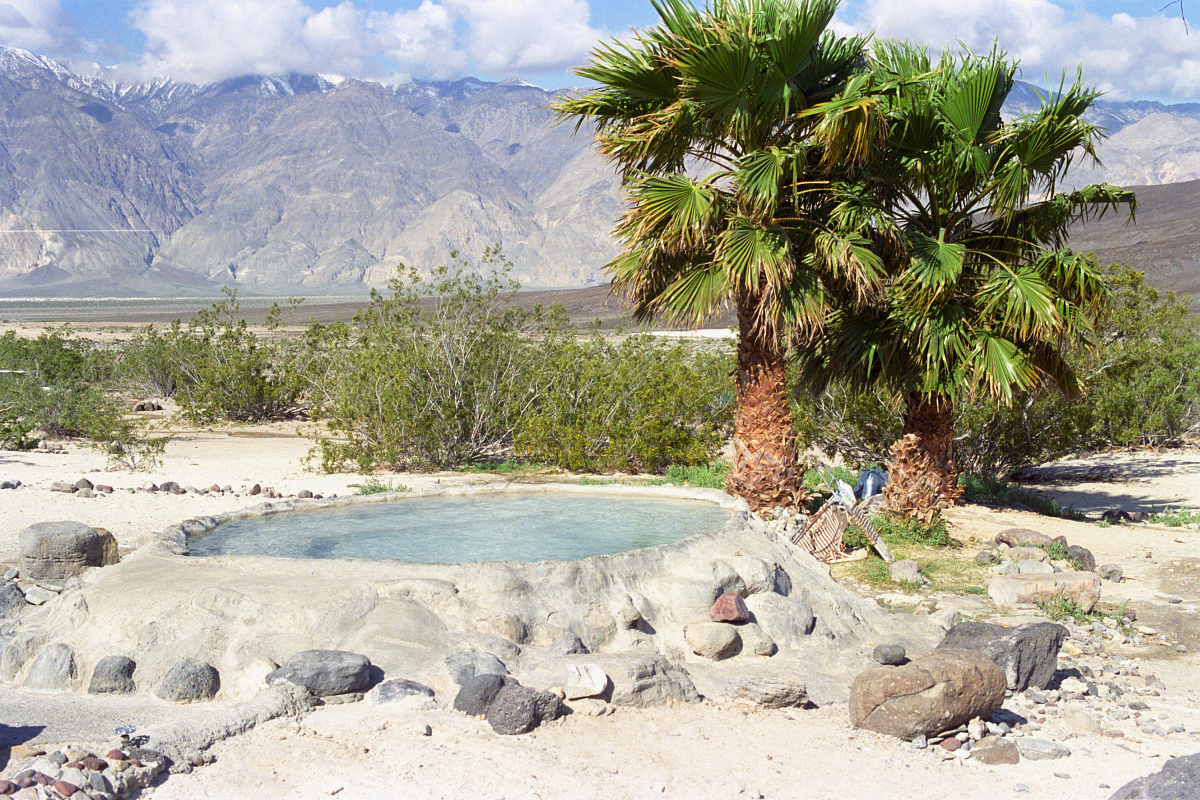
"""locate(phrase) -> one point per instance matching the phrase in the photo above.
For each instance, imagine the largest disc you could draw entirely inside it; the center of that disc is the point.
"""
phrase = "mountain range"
(297, 185)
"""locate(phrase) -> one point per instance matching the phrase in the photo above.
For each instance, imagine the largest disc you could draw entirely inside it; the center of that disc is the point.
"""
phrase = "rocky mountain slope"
(296, 185)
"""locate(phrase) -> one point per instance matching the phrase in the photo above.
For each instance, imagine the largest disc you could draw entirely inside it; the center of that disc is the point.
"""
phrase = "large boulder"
(1022, 537)
(478, 693)
(325, 673)
(52, 670)
(715, 640)
(519, 709)
(189, 681)
(1179, 779)
(113, 675)
(56, 551)
(12, 600)
(928, 695)
(464, 666)
(399, 689)
(1028, 655)
(1025, 591)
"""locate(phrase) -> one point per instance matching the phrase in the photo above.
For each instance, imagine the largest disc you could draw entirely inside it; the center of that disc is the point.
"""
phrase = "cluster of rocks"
(75, 773)
(145, 405)
(52, 555)
(85, 488)
(10, 484)
(1027, 574)
(1000, 695)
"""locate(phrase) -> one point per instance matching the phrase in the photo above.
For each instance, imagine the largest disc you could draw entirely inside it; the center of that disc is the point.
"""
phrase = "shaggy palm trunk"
(766, 465)
(922, 474)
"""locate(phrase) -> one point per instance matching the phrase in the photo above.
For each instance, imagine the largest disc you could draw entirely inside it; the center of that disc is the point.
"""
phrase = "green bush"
(222, 369)
(436, 375)
(444, 373)
(639, 405)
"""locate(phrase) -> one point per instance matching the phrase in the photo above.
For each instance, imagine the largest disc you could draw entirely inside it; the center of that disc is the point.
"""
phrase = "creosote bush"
(443, 372)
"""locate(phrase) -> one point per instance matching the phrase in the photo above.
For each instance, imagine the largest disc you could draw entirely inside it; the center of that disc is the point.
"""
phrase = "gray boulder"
(781, 689)
(58, 550)
(16, 654)
(52, 670)
(785, 619)
(1022, 537)
(928, 695)
(396, 689)
(1087, 561)
(189, 681)
(889, 654)
(1028, 655)
(518, 709)
(478, 692)
(12, 601)
(464, 666)
(1111, 572)
(325, 673)
(1179, 779)
(1041, 749)
(715, 640)
(113, 675)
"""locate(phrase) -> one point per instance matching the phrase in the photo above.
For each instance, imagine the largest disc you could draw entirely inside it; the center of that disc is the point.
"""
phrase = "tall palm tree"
(725, 124)
(982, 293)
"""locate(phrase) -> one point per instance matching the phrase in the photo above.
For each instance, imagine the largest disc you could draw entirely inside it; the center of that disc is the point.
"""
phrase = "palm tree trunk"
(766, 467)
(923, 475)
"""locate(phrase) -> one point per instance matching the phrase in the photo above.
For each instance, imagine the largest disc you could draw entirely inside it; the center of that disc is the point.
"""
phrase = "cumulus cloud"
(37, 25)
(207, 40)
(1127, 55)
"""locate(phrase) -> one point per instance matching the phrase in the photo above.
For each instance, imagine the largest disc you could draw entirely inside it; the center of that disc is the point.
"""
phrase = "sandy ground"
(705, 750)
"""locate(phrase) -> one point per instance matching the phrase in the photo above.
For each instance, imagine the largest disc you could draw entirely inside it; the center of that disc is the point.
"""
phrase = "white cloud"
(514, 37)
(207, 40)
(1130, 56)
(37, 25)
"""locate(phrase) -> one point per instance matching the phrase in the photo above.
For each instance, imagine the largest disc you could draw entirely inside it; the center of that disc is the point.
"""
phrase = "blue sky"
(1134, 49)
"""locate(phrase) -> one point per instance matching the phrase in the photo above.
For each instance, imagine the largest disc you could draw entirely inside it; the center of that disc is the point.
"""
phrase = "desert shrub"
(443, 373)
(152, 362)
(437, 374)
(638, 405)
(56, 358)
(859, 425)
(223, 370)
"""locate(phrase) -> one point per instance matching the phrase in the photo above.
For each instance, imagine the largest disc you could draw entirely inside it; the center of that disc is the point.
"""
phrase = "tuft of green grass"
(376, 486)
(812, 478)
(903, 529)
(1058, 552)
(704, 476)
(1062, 607)
(995, 490)
(509, 467)
(1176, 518)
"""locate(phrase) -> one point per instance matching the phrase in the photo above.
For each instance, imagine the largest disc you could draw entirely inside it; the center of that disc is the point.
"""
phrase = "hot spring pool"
(544, 526)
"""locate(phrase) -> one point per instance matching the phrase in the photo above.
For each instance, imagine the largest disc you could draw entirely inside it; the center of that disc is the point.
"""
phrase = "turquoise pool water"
(455, 529)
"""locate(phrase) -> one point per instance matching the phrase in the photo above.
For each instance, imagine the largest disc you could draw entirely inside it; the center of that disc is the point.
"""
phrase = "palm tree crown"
(725, 125)
(981, 292)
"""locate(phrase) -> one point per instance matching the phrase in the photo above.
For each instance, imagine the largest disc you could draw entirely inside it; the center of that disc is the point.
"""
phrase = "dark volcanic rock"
(325, 672)
(1179, 779)
(113, 675)
(397, 689)
(478, 692)
(890, 654)
(1028, 655)
(12, 601)
(188, 681)
(1087, 561)
(518, 709)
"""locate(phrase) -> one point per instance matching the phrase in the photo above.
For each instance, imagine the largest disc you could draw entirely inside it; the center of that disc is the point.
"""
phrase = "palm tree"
(981, 292)
(725, 125)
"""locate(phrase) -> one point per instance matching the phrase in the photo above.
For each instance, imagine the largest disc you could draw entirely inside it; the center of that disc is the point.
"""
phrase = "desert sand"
(710, 749)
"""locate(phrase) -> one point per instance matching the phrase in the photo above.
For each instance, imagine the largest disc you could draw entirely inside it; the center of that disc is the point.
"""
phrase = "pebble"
(920, 743)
